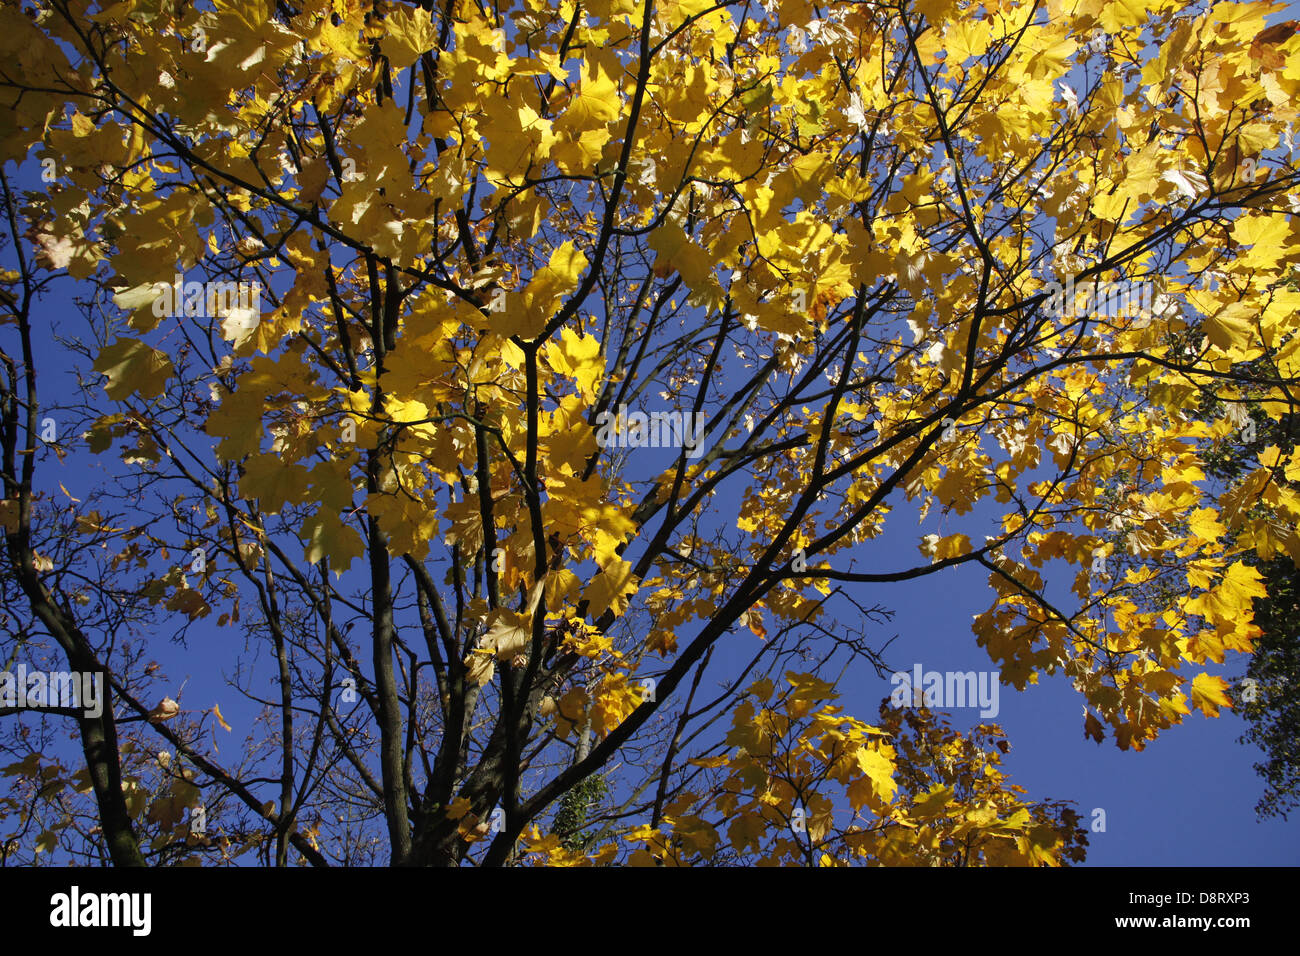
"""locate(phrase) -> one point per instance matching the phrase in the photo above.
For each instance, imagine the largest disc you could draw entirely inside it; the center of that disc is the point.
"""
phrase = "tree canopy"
(516, 399)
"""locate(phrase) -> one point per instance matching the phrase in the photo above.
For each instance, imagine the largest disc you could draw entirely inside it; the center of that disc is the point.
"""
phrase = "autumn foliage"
(830, 231)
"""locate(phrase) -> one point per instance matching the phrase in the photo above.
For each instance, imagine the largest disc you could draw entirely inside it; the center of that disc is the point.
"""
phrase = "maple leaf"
(1231, 600)
(611, 588)
(1092, 728)
(328, 537)
(1210, 693)
(545, 290)
(1265, 45)
(932, 803)
(1117, 15)
(578, 355)
(273, 482)
(458, 808)
(879, 771)
(508, 634)
(596, 100)
(481, 666)
(676, 252)
(408, 32)
(747, 830)
(132, 366)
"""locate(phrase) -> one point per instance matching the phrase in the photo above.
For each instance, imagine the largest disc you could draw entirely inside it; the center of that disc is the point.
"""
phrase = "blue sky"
(1187, 799)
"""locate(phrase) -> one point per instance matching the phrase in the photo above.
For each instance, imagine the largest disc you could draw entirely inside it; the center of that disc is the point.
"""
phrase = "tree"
(533, 386)
(1266, 692)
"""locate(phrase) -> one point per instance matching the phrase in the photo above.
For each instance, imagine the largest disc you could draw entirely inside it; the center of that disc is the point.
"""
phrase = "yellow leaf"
(611, 588)
(136, 297)
(1204, 525)
(746, 830)
(1292, 472)
(1118, 14)
(132, 366)
(1232, 330)
(410, 32)
(579, 356)
(1271, 230)
(596, 100)
(810, 687)
(560, 586)
(328, 537)
(1209, 694)
(675, 251)
(1231, 601)
(933, 803)
(879, 771)
(509, 634)
(940, 549)
(482, 665)
(272, 482)
(548, 286)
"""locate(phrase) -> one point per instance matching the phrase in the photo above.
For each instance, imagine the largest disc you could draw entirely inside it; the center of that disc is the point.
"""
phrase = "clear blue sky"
(1187, 799)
